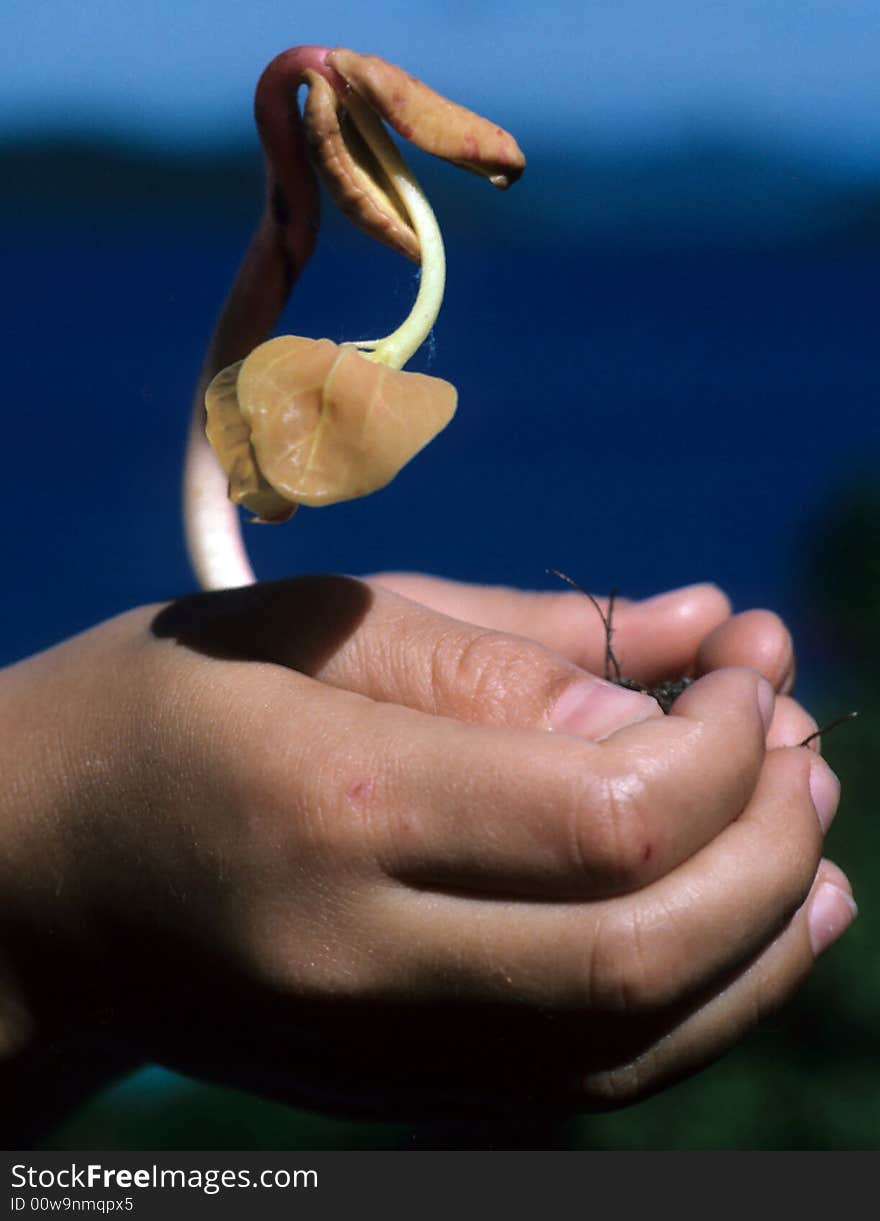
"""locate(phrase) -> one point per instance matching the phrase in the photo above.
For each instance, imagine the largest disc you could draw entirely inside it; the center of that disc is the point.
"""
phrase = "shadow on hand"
(298, 623)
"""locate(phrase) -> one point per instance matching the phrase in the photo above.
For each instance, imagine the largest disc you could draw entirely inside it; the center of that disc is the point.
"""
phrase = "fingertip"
(702, 601)
(725, 694)
(757, 639)
(824, 791)
(831, 911)
(657, 639)
(791, 726)
(830, 872)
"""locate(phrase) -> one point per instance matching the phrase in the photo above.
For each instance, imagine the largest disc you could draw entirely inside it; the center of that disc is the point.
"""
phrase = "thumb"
(653, 639)
(363, 638)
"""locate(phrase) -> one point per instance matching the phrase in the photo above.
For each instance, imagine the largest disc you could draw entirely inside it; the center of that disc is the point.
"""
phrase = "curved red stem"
(288, 228)
(279, 250)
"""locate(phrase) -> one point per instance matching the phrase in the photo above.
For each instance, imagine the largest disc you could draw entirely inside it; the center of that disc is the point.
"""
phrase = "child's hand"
(327, 843)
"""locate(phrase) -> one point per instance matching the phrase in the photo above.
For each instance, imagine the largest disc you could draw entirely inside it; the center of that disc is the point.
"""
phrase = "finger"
(644, 953)
(375, 643)
(501, 810)
(452, 1052)
(507, 812)
(791, 725)
(756, 638)
(712, 1028)
(653, 639)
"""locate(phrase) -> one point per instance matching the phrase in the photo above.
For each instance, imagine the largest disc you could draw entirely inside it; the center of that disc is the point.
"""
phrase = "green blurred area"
(808, 1079)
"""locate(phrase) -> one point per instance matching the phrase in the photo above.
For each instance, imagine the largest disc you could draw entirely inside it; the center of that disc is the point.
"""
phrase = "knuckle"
(611, 836)
(624, 977)
(315, 958)
(475, 675)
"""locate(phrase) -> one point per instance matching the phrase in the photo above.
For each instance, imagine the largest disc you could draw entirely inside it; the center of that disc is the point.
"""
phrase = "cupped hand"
(330, 843)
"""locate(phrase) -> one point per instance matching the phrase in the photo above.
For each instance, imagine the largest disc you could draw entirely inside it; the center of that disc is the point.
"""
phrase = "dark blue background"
(644, 402)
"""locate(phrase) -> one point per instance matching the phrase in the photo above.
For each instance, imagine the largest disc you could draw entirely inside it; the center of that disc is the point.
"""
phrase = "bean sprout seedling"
(288, 421)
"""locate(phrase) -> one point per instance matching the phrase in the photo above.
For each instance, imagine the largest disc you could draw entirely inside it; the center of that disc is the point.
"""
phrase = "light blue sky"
(801, 71)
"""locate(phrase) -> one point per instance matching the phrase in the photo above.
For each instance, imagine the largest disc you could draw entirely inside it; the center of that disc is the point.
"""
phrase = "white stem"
(397, 348)
(213, 531)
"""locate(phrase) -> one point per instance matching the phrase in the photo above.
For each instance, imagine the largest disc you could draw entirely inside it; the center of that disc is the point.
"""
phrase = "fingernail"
(766, 702)
(596, 708)
(831, 913)
(824, 790)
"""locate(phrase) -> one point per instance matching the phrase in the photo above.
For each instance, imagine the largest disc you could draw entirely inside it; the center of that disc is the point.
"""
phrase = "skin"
(321, 840)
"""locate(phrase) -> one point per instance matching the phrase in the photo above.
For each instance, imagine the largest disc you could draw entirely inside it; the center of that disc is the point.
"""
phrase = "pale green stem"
(397, 348)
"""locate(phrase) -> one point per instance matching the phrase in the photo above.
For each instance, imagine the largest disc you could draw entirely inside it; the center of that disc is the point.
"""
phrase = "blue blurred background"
(665, 337)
